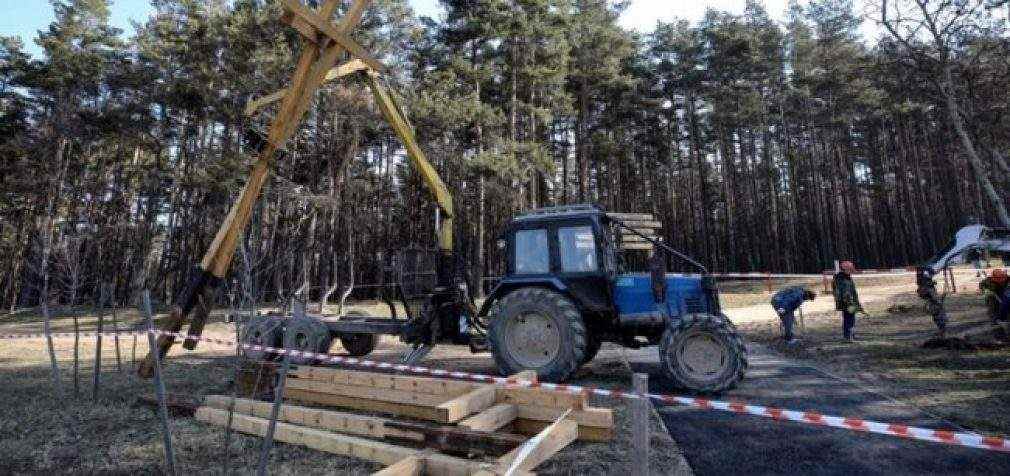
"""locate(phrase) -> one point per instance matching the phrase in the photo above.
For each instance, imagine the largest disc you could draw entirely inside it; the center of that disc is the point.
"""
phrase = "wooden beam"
(637, 246)
(415, 411)
(643, 223)
(434, 386)
(346, 445)
(465, 405)
(493, 418)
(631, 216)
(541, 447)
(350, 67)
(410, 466)
(523, 426)
(322, 24)
(373, 393)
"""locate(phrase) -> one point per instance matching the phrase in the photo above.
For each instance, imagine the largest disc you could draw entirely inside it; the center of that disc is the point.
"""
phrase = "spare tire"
(703, 353)
(538, 329)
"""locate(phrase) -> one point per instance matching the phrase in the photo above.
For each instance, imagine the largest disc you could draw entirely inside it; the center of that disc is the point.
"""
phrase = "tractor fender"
(508, 285)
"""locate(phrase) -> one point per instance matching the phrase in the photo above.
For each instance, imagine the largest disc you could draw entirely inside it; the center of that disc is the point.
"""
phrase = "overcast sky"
(26, 17)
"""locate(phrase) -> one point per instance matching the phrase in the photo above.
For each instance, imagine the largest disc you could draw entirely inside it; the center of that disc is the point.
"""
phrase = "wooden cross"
(323, 44)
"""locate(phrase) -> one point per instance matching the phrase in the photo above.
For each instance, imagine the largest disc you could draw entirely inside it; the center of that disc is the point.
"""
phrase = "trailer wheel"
(263, 331)
(306, 335)
(703, 353)
(538, 329)
(358, 345)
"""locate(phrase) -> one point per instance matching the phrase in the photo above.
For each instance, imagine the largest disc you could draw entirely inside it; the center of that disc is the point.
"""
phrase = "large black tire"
(358, 345)
(538, 329)
(703, 353)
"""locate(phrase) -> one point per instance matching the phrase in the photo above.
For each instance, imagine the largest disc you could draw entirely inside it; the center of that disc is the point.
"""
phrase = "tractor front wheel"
(703, 353)
(538, 329)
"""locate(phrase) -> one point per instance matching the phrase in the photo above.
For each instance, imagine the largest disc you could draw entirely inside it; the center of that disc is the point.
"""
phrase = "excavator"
(567, 288)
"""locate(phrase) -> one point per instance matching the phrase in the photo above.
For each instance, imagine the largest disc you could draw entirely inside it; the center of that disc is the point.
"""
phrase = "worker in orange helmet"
(846, 298)
(994, 289)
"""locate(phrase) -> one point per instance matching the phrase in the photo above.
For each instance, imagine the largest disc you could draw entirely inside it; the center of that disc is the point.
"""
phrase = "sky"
(26, 17)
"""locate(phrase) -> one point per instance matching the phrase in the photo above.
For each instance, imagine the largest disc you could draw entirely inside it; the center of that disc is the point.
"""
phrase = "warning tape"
(972, 440)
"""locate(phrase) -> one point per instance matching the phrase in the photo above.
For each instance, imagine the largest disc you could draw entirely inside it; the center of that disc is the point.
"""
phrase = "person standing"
(934, 303)
(846, 298)
(786, 302)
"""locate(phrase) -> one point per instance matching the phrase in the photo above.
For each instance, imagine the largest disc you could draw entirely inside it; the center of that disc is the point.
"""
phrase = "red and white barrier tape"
(972, 440)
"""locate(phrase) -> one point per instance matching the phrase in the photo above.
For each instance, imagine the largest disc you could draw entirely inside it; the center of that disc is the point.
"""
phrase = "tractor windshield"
(532, 252)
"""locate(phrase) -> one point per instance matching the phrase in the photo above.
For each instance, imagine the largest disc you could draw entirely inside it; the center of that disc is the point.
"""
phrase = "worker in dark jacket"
(786, 302)
(934, 303)
(846, 298)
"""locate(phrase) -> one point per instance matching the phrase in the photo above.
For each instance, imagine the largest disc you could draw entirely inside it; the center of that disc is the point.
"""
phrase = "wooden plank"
(590, 416)
(465, 405)
(415, 411)
(523, 426)
(637, 246)
(631, 216)
(434, 386)
(374, 393)
(541, 447)
(629, 238)
(340, 71)
(322, 24)
(542, 397)
(492, 419)
(643, 231)
(410, 466)
(346, 445)
(643, 223)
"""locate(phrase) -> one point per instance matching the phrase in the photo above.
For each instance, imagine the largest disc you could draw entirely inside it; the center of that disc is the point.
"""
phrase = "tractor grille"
(694, 305)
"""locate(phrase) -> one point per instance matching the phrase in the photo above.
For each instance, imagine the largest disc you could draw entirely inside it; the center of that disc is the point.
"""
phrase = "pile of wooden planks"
(643, 224)
(470, 428)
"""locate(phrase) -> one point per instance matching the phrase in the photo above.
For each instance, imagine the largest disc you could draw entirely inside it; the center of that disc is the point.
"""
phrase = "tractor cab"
(570, 285)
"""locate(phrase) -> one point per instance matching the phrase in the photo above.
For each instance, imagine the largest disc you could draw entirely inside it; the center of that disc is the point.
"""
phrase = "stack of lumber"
(643, 224)
(471, 428)
(472, 405)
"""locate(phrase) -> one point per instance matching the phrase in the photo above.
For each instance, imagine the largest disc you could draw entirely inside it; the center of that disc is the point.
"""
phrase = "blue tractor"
(566, 291)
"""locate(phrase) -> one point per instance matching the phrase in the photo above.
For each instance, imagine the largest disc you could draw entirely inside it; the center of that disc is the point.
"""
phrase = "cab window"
(577, 245)
(532, 252)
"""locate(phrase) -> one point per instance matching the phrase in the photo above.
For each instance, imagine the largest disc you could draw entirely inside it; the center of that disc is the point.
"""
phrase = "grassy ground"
(42, 432)
(968, 388)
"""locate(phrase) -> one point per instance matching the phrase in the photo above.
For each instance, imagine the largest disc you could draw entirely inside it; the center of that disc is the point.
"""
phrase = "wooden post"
(640, 429)
(97, 377)
(159, 386)
(768, 281)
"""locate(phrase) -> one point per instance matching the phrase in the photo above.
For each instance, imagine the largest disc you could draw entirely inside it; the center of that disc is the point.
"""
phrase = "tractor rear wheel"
(358, 345)
(538, 329)
(703, 353)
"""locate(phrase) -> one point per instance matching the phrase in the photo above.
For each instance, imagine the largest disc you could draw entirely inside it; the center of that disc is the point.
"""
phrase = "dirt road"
(722, 443)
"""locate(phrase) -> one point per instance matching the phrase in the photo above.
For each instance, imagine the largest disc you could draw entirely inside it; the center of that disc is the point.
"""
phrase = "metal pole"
(268, 439)
(159, 386)
(97, 377)
(641, 431)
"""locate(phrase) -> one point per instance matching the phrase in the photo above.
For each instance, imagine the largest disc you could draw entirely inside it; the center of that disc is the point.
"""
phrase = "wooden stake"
(159, 387)
(640, 429)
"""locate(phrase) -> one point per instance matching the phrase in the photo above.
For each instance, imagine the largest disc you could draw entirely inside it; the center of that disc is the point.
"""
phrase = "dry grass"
(40, 432)
(969, 388)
